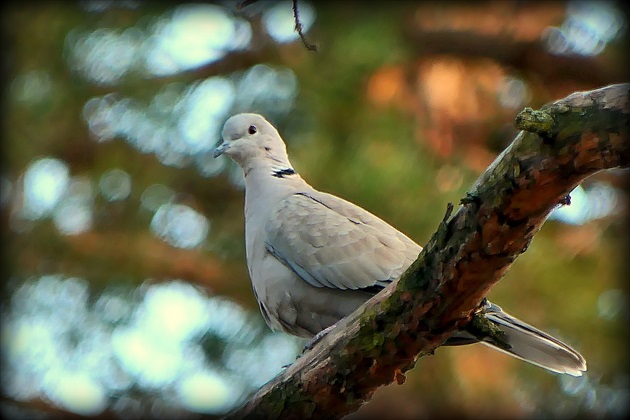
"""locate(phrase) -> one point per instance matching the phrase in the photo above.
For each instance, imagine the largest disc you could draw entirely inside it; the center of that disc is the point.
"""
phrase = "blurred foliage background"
(126, 289)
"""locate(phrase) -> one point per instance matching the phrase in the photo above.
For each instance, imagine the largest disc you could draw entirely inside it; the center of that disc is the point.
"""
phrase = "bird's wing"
(330, 242)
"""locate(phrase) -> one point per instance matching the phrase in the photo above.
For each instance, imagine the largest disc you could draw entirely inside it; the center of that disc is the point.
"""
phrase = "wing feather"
(330, 242)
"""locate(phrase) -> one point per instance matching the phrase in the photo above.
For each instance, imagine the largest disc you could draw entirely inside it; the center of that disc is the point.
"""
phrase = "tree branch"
(565, 142)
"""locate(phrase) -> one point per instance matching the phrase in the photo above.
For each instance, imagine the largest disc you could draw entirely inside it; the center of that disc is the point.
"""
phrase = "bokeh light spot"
(115, 185)
(587, 29)
(155, 196)
(79, 393)
(598, 201)
(205, 392)
(74, 214)
(180, 225)
(151, 359)
(513, 93)
(203, 112)
(175, 309)
(104, 56)
(193, 36)
(610, 303)
(45, 183)
(32, 87)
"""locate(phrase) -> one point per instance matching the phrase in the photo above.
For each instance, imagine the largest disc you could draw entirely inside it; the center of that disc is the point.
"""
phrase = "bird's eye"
(252, 129)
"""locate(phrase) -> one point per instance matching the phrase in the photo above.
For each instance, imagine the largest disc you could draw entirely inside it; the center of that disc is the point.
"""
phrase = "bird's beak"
(220, 150)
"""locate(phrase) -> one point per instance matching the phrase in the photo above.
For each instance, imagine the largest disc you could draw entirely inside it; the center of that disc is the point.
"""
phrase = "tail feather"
(534, 346)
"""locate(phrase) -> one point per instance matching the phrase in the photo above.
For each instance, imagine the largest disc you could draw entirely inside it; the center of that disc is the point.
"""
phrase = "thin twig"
(298, 28)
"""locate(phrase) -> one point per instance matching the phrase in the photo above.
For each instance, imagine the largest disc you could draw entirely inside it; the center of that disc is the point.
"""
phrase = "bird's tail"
(532, 345)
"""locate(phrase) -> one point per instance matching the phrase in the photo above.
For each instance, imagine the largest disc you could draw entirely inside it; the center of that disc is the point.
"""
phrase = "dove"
(314, 258)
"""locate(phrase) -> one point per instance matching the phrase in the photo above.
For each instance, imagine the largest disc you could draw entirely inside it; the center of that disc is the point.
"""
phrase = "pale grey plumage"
(313, 258)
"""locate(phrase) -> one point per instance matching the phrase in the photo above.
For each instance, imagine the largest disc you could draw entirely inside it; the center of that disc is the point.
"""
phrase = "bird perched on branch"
(314, 258)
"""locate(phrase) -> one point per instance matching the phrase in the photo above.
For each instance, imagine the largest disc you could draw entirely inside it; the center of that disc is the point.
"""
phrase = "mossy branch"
(563, 143)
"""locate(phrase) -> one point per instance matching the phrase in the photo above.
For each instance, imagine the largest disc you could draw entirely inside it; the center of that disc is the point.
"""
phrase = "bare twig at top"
(298, 28)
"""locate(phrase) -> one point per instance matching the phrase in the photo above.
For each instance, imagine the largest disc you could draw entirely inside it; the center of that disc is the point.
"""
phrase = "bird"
(313, 258)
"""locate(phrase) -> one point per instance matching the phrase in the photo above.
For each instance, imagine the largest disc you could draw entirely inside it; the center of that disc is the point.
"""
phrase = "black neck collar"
(281, 173)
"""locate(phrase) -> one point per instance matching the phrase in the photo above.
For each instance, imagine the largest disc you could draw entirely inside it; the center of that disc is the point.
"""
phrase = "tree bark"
(559, 146)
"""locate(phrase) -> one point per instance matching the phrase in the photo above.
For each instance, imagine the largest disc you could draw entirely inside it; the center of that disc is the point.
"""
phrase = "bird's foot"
(311, 343)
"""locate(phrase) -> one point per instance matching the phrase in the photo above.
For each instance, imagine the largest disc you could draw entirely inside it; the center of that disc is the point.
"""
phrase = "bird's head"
(250, 141)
